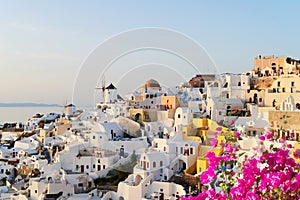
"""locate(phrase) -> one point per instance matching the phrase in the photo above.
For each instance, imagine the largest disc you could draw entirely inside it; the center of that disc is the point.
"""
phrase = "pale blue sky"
(43, 43)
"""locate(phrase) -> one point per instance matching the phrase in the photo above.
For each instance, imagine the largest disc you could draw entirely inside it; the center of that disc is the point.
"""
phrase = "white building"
(229, 86)
(59, 184)
(92, 160)
(183, 117)
(138, 188)
(70, 110)
(254, 125)
(223, 109)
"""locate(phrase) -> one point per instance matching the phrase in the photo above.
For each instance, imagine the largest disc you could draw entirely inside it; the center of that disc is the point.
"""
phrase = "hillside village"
(152, 143)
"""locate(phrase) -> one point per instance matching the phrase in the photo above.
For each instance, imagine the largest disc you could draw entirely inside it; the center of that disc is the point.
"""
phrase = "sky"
(45, 44)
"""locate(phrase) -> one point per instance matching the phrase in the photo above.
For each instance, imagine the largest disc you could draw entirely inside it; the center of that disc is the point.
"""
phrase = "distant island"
(28, 105)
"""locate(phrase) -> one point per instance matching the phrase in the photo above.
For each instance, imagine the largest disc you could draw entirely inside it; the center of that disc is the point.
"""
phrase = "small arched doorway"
(138, 117)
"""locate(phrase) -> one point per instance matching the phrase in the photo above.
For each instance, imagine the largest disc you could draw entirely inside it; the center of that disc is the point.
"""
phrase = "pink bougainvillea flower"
(281, 140)
(215, 134)
(213, 142)
(262, 137)
(266, 175)
(219, 128)
(207, 176)
(231, 123)
(228, 148)
(269, 136)
(236, 135)
(296, 153)
(289, 146)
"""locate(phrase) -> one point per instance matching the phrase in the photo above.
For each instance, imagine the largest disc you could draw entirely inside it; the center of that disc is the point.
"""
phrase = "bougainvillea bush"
(271, 173)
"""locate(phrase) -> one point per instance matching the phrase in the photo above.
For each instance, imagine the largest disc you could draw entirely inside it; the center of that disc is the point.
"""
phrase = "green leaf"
(241, 154)
(222, 162)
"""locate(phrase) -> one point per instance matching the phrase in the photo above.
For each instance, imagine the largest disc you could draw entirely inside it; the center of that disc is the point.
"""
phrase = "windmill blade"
(103, 86)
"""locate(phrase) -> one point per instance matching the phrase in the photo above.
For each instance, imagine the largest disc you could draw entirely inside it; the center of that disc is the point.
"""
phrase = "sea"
(22, 114)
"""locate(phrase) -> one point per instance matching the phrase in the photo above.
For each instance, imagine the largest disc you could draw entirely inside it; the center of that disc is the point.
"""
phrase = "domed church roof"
(152, 84)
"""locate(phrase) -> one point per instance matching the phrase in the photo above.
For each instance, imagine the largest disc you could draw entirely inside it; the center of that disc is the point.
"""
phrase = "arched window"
(154, 164)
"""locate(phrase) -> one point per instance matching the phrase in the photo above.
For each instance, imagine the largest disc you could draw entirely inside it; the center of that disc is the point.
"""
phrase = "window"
(94, 137)
(220, 112)
(103, 166)
(178, 116)
(191, 150)
(283, 89)
(278, 83)
(254, 133)
(161, 163)
(293, 84)
(147, 164)
(165, 149)
(87, 166)
(35, 191)
(239, 83)
(260, 99)
(154, 164)
(94, 166)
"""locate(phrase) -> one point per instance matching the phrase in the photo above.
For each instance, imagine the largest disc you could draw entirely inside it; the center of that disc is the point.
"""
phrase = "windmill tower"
(110, 94)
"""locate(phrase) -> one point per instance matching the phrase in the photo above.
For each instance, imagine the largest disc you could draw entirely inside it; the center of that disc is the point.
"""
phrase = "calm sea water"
(22, 114)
